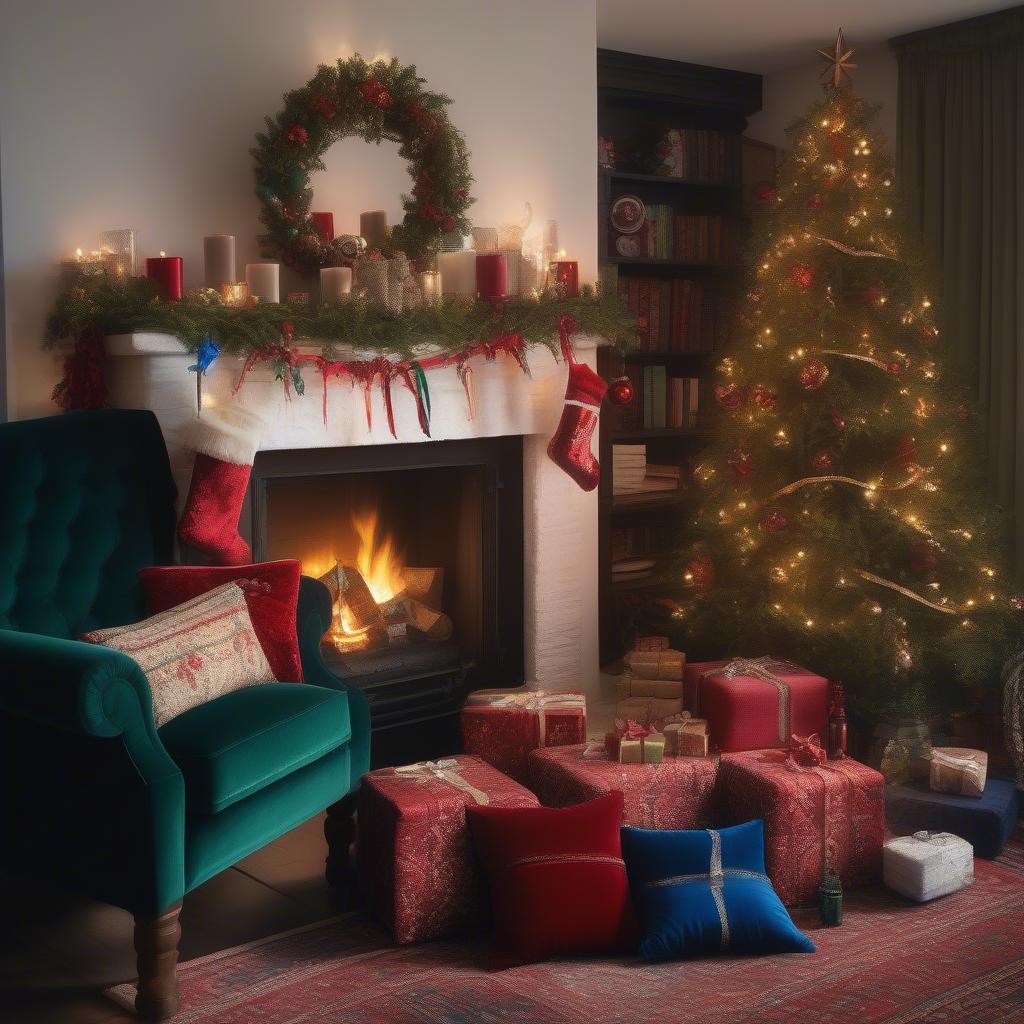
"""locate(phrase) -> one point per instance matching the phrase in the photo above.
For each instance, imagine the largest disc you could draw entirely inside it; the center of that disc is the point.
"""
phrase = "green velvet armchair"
(94, 796)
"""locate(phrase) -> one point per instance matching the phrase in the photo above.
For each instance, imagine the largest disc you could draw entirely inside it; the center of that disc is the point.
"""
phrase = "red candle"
(491, 275)
(567, 278)
(324, 225)
(168, 272)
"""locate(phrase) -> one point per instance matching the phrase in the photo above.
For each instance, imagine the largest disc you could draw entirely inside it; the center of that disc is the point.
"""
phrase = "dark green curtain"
(960, 167)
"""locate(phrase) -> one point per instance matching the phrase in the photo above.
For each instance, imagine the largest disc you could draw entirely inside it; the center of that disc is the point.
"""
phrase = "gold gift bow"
(760, 668)
(529, 700)
(445, 770)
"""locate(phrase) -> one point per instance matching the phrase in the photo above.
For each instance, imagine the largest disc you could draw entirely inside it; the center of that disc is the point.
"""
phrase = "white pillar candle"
(430, 286)
(373, 226)
(335, 284)
(264, 281)
(219, 260)
(458, 272)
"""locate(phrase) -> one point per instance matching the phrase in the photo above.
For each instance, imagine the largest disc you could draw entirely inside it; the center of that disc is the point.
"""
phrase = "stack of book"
(675, 315)
(629, 467)
(656, 482)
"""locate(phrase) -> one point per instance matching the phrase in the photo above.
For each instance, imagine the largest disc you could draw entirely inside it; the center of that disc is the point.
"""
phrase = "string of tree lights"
(842, 514)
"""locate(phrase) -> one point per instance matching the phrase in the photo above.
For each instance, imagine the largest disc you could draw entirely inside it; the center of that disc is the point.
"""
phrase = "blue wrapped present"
(986, 822)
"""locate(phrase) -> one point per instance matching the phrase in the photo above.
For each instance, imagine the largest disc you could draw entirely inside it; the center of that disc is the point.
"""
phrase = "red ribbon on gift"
(806, 752)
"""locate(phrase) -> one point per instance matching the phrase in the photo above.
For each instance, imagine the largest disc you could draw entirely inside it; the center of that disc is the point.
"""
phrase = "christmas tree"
(842, 519)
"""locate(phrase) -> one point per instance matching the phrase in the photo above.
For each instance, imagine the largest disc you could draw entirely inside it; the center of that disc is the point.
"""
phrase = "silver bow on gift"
(446, 770)
(759, 668)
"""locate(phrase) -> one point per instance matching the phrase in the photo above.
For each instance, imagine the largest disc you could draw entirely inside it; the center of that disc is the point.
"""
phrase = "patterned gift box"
(415, 857)
(754, 703)
(677, 793)
(958, 770)
(503, 726)
(836, 810)
(927, 865)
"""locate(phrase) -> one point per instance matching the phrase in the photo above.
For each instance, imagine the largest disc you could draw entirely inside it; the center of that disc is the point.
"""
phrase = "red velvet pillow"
(557, 879)
(271, 593)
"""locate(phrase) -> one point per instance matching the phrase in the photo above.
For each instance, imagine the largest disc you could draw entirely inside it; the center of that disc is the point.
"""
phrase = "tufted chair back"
(86, 500)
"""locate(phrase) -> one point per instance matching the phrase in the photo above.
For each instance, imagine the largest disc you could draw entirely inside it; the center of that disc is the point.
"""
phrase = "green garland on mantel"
(113, 308)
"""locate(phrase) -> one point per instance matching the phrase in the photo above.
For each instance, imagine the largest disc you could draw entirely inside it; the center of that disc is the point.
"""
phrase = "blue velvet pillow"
(706, 892)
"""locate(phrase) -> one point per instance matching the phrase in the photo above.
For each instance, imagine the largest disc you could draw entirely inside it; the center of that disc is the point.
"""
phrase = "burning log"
(425, 585)
(433, 624)
(349, 589)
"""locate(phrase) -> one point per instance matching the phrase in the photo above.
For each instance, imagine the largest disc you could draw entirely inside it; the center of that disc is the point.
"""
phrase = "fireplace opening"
(421, 549)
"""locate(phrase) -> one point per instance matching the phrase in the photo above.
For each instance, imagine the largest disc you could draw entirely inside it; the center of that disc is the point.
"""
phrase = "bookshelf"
(679, 273)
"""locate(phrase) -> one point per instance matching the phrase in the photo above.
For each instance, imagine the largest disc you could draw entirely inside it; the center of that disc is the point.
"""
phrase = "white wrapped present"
(927, 864)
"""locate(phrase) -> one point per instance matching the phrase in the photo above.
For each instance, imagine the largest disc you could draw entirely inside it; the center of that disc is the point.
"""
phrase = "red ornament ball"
(764, 192)
(1017, 602)
(375, 94)
(815, 201)
(774, 522)
(839, 144)
(823, 461)
(922, 558)
(741, 464)
(802, 275)
(764, 398)
(297, 134)
(813, 375)
(838, 420)
(906, 452)
(700, 573)
(872, 293)
(894, 368)
(728, 395)
(620, 391)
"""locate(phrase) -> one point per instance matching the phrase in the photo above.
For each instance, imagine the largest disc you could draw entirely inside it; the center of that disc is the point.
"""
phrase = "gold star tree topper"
(838, 59)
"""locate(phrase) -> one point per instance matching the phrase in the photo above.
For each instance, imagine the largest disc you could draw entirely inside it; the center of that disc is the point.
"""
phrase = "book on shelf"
(640, 541)
(629, 467)
(673, 315)
(696, 154)
(702, 238)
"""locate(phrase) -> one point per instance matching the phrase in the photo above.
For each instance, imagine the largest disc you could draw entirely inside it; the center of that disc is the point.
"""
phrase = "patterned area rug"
(959, 959)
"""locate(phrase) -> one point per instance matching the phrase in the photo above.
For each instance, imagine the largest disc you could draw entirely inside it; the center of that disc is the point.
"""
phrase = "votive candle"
(234, 293)
(491, 276)
(219, 260)
(566, 276)
(458, 273)
(335, 284)
(264, 281)
(323, 223)
(169, 274)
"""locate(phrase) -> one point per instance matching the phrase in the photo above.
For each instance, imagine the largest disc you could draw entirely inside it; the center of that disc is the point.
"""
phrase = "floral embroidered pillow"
(194, 652)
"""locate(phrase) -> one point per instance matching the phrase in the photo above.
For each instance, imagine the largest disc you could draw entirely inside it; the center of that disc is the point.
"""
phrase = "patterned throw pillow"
(705, 891)
(194, 652)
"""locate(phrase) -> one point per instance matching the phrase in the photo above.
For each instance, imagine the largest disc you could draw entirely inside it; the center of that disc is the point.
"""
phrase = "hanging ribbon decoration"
(916, 473)
(848, 250)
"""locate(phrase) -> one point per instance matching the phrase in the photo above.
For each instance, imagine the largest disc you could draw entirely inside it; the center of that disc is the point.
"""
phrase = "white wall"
(138, 113)
(788, 94)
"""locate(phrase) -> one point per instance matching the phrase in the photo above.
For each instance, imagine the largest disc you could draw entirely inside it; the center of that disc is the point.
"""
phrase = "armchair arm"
(71, 685)
(312, 620)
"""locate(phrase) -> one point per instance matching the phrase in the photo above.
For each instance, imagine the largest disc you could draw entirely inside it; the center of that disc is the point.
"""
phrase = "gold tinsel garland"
(907, 592)
(916, 474)
(848, 250)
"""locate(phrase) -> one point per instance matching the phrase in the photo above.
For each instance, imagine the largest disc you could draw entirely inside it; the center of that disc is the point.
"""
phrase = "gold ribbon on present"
(759, 668)
(538, 701)
(446, 770)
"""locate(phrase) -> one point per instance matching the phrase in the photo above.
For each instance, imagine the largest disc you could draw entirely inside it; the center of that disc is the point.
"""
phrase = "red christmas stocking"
(569, 446)
(225, 443)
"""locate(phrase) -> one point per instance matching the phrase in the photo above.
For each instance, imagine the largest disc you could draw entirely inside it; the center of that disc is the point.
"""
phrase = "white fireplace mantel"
(150, 371)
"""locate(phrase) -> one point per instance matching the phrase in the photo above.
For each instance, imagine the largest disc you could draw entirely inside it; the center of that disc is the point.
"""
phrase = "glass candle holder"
(235, 293)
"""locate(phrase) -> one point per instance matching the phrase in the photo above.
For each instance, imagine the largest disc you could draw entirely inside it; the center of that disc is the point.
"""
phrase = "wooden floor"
(58, 952)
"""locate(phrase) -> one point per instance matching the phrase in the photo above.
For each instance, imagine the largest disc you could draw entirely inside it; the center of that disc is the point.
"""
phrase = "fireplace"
(421, 546)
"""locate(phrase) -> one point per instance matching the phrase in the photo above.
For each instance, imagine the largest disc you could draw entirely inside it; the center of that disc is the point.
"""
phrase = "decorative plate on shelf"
(628, 214)
(627, 245)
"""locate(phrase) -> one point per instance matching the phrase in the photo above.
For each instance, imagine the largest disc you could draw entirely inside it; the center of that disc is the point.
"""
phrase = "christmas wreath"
(374, 101)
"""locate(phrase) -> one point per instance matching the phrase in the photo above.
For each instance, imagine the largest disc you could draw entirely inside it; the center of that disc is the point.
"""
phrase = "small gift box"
(503, 726)
(662, 689)
(648, 709)
(665, 665)
(958, 770)
(651, 643)
(686, 737)
(927, 865)
(634, 743)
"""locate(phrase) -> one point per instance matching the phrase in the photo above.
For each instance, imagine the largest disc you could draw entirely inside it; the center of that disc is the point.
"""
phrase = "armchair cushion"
(271, 593)
(242, 742)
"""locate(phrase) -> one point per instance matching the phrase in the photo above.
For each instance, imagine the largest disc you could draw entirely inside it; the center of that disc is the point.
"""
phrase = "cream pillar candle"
(264, 281)
(458, 272)
(219, 260)
(373, 226)
(335, 284)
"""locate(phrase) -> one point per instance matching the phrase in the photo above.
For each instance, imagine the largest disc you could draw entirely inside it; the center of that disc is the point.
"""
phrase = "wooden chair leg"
(156, 949)
(340, 833)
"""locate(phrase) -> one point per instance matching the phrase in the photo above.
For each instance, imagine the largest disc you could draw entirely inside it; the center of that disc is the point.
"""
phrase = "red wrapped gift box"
(503, 726)
(675, 793)
(754, 703)
(415, 856)
(836, 809)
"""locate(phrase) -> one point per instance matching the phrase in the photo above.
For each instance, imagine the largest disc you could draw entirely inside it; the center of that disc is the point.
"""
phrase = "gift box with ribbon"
(415, 857)
(926, 865)
(686, 736)
(756, 703)
(819, 818)
(958, 770)
(677, 793)
(634, 743)
(503, 726)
